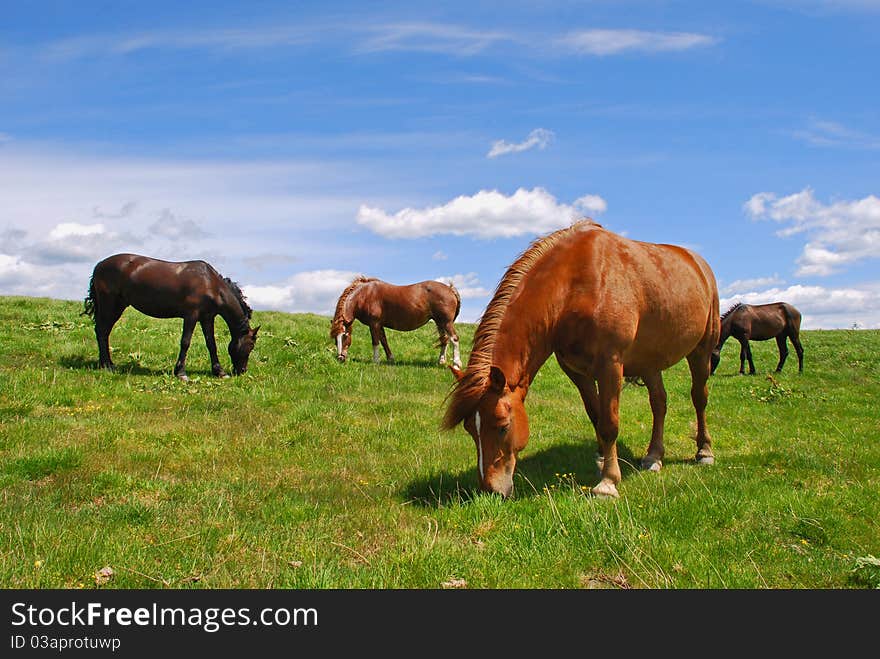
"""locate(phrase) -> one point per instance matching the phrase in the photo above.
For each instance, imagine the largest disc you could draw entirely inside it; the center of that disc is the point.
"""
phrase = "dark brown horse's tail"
(89, 301)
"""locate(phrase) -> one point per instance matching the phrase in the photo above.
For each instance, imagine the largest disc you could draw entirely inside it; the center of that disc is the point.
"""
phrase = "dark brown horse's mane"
(240, 296)
(468, 390)
(340, 304)
(731, 310)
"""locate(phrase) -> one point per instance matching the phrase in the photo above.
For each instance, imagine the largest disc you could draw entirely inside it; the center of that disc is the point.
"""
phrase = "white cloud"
(821, 307)
(748, 285)
(613, 42)
(486, 214)
(430, 38)
(591, 203)
(439, 255)
(832, 134)
(468, 285)
(538, 138)
(72, 242)
(839, 234)
(313, 291)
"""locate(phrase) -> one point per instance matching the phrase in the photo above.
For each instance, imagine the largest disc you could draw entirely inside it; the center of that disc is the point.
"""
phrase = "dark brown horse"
(192, 290)
(610, 308)
(378, 304)
(760, 322)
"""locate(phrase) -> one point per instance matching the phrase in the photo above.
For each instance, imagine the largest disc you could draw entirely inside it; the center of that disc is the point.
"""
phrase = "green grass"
(305, 473)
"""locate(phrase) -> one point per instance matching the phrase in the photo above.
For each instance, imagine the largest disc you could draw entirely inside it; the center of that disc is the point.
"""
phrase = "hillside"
(306, 473)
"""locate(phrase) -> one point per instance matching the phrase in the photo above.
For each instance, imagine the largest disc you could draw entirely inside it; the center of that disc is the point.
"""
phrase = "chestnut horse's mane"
(340, 304)
(468, 390)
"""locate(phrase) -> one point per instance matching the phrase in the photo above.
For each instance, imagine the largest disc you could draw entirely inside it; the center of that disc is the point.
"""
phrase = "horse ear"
(457, 372)
(497, 380)
(255, 330)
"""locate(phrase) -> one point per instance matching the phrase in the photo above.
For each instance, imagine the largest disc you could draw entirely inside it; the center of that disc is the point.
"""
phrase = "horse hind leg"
(783, 351)
(799, 349)
(653, 459)
(448, 334)
(444, 346)
(699, 367)
(107, 312)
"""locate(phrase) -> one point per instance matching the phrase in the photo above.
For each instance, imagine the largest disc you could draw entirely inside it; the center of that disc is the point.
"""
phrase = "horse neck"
(524, 340)
(234, 315)
(350, 305)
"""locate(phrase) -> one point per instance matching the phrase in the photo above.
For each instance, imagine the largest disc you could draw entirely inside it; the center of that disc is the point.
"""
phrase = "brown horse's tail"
(89, 301)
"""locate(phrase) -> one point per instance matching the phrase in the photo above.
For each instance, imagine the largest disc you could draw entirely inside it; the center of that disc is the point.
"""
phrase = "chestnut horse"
(609, 308)
(760, 322)
(378, 304)
(192, 290)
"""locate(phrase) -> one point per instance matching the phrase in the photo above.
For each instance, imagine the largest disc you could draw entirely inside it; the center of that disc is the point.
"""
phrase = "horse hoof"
(225, 376)
(651, 464)
(705, 459)
(605, 490)
(183, 378)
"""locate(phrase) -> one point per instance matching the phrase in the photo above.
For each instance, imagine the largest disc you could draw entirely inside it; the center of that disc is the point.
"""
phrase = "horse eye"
(502, 430)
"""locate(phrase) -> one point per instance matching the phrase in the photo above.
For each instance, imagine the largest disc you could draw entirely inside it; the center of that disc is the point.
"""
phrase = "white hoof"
(651, 464)
(705, 459)
(605, 490)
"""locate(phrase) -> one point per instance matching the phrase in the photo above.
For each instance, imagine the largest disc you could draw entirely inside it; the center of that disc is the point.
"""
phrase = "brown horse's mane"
(236, 289)
(340, 304)
(468, 390)
(731, 310)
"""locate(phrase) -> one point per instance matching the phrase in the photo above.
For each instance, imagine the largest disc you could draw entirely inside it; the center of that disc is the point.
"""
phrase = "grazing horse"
(378, 305)
(760, 322)
(192, 290)
(609, 308)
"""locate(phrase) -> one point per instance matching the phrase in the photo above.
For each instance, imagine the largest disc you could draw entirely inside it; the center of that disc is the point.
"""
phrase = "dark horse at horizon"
(378, 304)
(610, 308)
(760, 322)
(191, 290)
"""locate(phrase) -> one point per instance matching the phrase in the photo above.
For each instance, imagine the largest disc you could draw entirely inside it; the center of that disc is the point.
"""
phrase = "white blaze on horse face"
(456, 356)
(339, 343)
(479, 445)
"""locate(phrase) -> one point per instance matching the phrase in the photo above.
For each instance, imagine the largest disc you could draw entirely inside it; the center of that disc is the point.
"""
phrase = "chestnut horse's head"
(499, 427)
(240, 350)
(340, 332)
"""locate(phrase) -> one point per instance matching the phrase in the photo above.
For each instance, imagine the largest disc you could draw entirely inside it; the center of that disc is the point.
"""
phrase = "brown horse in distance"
(760, 322)
(609, 308)
(378, 304)
(192, 290)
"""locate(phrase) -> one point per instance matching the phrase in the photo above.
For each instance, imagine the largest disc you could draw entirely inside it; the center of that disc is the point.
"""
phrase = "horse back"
(163, 289)
(651, 304)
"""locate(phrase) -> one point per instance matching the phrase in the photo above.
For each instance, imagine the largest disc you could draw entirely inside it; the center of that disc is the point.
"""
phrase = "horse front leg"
(211, 342)
(189, 324)
(586, 387)
(699, 367)
(610, 379)
(749, 357)
(653, 460)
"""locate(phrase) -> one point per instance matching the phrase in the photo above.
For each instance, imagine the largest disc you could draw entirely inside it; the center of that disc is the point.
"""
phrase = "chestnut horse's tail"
(457, 299)
(89, 301)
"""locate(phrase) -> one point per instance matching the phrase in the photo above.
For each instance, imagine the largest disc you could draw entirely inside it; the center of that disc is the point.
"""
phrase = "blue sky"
(295, 145)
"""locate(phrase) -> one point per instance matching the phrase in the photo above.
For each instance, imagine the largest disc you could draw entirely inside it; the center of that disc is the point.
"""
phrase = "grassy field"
(305, 473)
